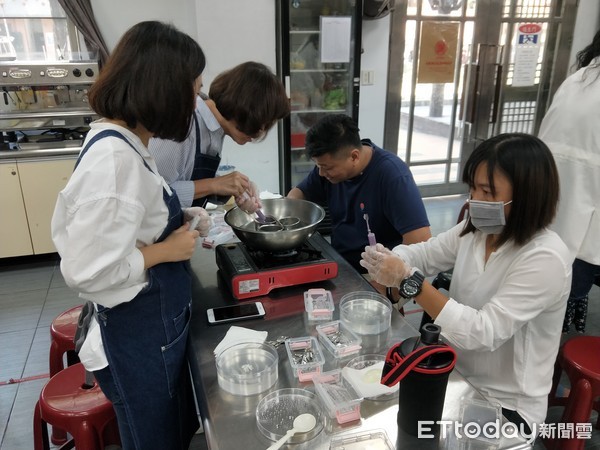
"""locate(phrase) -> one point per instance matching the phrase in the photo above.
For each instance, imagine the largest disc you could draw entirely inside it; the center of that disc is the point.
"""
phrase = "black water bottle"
(423, 388)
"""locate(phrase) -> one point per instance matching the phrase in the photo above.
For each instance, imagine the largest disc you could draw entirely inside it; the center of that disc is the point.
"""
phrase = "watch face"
(411, 288)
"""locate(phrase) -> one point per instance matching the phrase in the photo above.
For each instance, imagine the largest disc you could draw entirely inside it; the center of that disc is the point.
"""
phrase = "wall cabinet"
(33, 186)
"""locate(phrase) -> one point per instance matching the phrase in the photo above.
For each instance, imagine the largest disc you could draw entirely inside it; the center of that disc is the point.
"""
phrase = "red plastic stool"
(578, 357)
(62, 332)
(82, 411)
(577, 410)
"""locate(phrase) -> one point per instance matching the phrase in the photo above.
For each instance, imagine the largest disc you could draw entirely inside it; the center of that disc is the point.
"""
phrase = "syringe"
(370, 234)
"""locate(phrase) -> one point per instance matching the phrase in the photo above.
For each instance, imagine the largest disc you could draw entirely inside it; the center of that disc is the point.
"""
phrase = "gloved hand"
(249, 201)
(384, 266)
(204, 223)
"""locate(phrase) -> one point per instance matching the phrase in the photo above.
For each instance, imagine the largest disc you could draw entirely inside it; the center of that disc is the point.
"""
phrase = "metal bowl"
(247, 229)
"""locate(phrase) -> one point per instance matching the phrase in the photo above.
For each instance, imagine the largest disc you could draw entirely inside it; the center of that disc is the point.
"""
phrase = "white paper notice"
(336, 37)
(526, 54)
(526, 59)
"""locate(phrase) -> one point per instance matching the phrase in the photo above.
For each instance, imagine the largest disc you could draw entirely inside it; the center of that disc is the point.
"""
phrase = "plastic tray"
(305, 356)
(338, 339)
(338, 396)
(318, 304)
(372, 440)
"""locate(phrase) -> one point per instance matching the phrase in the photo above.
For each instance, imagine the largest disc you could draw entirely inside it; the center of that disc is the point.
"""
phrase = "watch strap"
(417, 275)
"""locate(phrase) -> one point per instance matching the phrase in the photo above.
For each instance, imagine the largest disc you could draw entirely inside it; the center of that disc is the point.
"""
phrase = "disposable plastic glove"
(384, 266)
(205, 221)
(249, 201)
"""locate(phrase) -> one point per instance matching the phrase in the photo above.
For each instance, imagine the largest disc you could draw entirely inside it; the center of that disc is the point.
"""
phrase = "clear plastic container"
(318, 304)
(482, 413)
(338, 396)
(306, 357)
(247, 369)
(338, 339)
(276, 412)
(372, 440)
(366, 312)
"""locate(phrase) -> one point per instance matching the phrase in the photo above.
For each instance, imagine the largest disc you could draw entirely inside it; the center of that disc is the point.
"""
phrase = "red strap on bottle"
(396, 367)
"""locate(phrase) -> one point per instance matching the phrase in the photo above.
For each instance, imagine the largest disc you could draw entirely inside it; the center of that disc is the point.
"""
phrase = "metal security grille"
(527, 8)
(518, 117)
(519, 105)
(434, 126)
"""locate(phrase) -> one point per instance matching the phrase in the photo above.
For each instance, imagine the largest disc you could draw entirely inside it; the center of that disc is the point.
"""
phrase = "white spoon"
(302, 424)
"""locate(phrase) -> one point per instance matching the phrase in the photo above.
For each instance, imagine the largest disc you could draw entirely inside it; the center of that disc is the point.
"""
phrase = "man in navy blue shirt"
(350, 172)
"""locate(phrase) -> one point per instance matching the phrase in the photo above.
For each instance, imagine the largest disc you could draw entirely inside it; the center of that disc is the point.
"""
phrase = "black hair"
(587, 55)
(529, 166)
(149, 80)
(331, 134)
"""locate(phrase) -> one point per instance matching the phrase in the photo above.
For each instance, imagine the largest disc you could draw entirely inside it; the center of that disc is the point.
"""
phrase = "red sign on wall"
(530, 28)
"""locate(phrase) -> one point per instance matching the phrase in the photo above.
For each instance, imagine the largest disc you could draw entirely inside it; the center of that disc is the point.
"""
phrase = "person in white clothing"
(125, 242)
(243, 103)
(570, 129)
(511, 276)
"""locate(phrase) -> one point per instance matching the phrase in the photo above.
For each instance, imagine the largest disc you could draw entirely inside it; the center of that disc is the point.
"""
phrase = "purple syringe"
(370, 234)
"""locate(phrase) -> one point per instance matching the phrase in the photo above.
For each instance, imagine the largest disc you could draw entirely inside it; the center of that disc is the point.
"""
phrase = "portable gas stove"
(252, 273)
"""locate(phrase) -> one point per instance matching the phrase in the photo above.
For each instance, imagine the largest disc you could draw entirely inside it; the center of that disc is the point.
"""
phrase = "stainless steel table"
(229, 420)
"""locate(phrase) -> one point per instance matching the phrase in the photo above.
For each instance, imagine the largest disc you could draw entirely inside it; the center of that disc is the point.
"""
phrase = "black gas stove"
(252, 273)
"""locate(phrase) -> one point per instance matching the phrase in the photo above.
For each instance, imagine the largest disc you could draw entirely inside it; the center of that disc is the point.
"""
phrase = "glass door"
(464, 70)
(319, 61)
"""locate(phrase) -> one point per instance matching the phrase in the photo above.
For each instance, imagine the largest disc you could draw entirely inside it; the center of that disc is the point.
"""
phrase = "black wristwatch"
(411, 286)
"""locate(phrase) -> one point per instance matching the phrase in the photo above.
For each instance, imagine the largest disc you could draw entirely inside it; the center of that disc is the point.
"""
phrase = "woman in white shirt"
(570, 129)
(511, 276)
(120, 232)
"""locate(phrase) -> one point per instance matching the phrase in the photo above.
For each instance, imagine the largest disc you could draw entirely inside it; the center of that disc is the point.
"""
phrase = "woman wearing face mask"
(511, 276)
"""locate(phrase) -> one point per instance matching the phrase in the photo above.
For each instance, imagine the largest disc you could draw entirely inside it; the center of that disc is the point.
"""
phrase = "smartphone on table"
(234, 313)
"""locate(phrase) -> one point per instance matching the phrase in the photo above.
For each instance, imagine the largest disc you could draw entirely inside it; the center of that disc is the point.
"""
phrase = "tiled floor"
(32, 293)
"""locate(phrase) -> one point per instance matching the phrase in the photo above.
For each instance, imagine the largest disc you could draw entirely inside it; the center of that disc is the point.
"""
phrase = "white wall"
(229, 32)
(586, 25)
(371, 111)
(114, 17)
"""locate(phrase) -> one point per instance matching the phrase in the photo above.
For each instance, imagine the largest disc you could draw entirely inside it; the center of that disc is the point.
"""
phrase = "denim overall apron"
(145, 340)
(205, 166)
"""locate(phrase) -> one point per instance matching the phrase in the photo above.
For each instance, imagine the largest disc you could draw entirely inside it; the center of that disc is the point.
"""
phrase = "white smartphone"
(233, 313)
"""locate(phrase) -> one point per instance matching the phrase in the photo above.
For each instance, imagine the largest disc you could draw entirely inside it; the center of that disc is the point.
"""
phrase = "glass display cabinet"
(319, 61)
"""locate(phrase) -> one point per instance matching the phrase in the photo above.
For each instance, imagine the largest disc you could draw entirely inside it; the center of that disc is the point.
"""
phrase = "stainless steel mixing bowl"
(246, 229)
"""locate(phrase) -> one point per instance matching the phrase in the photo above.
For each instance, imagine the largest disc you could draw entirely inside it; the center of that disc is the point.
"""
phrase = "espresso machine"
(45, 105)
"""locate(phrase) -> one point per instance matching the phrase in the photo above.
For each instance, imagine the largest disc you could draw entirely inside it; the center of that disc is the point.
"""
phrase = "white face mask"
(488, 217)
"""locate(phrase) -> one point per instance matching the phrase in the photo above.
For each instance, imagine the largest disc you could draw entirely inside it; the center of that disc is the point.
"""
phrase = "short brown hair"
(251, 95)
(529, 165)
(149, 79)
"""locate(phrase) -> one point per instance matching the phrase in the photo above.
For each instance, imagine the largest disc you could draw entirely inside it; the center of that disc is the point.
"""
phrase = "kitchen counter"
(229, 420)
(40, 153)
